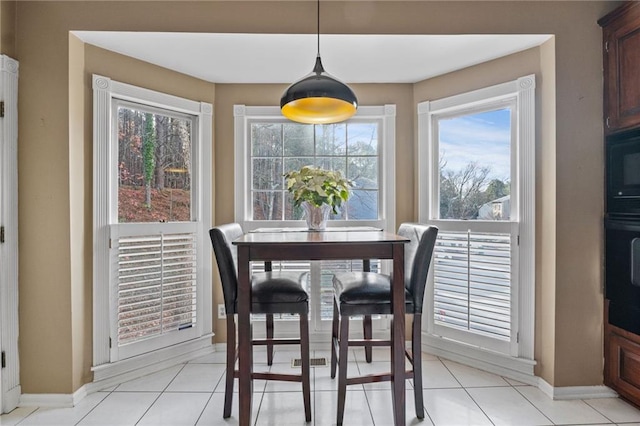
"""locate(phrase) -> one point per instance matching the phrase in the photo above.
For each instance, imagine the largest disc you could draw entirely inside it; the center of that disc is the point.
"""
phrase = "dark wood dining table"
(331, 244)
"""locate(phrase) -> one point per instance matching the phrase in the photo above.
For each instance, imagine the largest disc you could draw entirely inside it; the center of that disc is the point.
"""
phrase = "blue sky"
(482, 137)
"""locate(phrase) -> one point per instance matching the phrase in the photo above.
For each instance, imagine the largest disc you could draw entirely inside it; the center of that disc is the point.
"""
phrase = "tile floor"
(193, 394)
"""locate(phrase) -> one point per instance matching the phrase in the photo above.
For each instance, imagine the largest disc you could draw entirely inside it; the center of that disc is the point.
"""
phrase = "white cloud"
(471, 138)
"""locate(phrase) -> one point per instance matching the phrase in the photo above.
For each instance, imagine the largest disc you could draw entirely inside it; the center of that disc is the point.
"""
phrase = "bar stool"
(271, 293)
(369, 293)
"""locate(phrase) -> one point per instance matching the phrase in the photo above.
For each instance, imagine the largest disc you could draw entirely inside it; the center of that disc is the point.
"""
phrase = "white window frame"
(522, 90)
(243, 116)
(107, 361)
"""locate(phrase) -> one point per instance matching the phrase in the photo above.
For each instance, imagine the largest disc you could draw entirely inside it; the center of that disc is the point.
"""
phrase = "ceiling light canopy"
(318, 98)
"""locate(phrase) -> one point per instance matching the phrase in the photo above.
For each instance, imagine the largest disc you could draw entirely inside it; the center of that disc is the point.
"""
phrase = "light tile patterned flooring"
(454, 394)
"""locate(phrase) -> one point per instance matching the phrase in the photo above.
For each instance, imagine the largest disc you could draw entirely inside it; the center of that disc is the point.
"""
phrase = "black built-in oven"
(622, 230)
(622, 248)
(623, 174)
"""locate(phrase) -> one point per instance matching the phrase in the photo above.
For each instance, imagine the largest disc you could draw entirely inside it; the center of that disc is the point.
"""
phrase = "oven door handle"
(635, 262)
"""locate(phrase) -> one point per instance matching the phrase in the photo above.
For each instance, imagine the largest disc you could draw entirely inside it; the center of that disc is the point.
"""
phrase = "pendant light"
(318, 98)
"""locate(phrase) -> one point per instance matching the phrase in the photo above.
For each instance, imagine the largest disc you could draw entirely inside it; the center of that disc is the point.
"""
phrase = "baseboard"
(575, 392)
(123, 372)
(70, 400)
(53, 400)
(117, 372)
(512, 368)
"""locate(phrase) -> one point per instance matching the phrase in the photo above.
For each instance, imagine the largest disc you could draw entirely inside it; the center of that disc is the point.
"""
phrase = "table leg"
(398, 336)
(245, 352)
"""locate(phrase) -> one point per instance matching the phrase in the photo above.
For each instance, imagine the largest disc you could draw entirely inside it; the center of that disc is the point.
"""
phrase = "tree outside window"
(154, 164)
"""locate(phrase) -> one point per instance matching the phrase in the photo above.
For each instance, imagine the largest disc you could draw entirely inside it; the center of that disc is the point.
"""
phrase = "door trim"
(10, 374)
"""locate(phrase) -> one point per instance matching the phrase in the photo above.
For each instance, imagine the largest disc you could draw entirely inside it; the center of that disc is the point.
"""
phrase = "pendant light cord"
(318, 27)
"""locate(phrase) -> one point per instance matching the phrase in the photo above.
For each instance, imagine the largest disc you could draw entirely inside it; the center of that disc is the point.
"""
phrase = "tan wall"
(8, 28)
(74, 368)
(55, 161)
(80, 179)
(45, 342)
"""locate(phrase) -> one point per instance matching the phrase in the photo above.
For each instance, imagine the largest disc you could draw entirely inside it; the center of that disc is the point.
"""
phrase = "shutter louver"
(472, 282)
(156, 285)
(288, 266)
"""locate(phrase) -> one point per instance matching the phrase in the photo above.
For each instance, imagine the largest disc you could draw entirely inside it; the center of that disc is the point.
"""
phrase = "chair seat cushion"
(278, 292)
(277, 287)
(363, 293)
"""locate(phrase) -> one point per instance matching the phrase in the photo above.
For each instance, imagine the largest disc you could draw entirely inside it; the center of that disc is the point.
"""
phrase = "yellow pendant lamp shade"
(318, 98)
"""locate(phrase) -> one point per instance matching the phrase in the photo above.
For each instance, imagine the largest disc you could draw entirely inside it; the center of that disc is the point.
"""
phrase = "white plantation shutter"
(156, 285)
(155, 265)
(472, 282)
(289, 266)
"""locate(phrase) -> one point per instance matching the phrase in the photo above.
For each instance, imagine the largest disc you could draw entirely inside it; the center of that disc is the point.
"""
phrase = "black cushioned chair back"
(227, 259)
(417, 257)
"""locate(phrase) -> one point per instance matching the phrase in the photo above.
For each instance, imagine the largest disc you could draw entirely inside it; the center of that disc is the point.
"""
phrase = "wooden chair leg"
(366, 323)
(416, 354)
(334, 338)
(306, 365)
(269, 337)
(367, 330)
(342, 368)
(231, 366)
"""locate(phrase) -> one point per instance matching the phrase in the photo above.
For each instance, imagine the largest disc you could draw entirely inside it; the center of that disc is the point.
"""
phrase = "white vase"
(316, 217)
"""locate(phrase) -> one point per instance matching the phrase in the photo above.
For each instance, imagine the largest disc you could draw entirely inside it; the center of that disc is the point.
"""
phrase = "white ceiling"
(284, 58)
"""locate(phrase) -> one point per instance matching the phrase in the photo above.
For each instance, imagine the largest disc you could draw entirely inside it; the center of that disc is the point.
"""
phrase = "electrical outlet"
(222, 313)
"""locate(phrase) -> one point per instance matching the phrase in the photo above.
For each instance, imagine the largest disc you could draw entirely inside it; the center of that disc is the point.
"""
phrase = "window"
(268, 145)
(476, 184)
(277, 148)
(362, 149)
(472, 267)
(157, 266)
(152, 210)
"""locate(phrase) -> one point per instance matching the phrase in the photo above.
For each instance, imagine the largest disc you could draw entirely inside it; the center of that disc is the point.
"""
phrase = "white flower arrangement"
(318, 186)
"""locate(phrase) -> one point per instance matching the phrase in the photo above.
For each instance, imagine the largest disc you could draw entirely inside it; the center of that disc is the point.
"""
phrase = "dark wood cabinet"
(621, 38)
(622, 362)
(621, 51)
